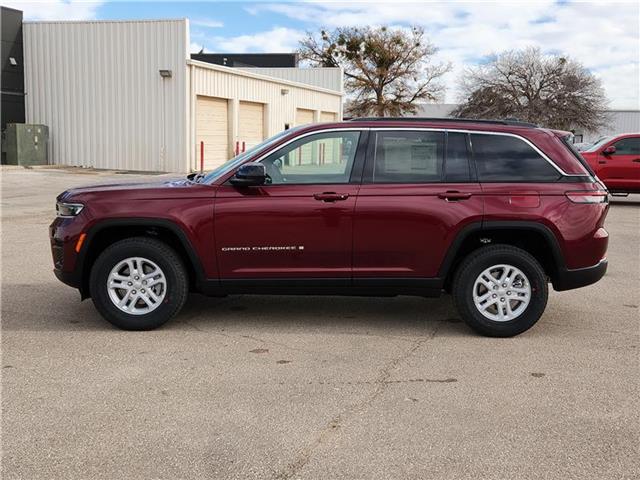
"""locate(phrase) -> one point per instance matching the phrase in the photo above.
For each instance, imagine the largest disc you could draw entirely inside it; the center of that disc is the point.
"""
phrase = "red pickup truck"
(616, 161)
(490, 211)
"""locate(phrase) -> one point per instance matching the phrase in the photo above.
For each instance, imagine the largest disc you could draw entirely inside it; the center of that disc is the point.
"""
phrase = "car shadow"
(628, 203)
(632, 200)
(55, 308)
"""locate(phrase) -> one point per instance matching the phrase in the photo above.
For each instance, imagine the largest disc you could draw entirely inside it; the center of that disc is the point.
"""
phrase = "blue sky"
(604, 36)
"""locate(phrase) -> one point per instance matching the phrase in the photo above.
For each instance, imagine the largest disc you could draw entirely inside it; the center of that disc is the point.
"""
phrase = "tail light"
(588, 196)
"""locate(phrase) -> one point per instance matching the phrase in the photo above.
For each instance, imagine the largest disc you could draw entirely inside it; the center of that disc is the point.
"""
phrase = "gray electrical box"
(26, 144)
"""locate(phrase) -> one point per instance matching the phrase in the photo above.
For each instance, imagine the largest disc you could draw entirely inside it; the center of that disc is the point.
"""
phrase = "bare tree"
(387, 71)
(552, 91)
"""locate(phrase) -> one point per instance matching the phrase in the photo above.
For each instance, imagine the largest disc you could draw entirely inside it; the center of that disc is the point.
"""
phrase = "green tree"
(387, 71)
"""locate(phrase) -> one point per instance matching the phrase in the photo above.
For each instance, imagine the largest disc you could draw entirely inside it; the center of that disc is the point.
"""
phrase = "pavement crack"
(381, 383)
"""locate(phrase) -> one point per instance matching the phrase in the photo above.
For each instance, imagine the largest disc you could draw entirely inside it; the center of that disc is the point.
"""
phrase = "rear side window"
(501, 158)
(627, 146)
(456, 165)
(408, 157)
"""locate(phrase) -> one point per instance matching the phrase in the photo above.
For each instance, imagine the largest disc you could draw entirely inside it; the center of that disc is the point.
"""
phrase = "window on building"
(319, 158)
(408, 157)
(502, 158)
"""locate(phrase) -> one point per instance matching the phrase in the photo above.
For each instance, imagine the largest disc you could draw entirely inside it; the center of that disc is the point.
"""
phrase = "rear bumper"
(580, 277)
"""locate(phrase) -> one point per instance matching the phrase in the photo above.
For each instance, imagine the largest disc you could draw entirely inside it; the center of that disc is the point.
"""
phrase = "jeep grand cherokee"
(490, 211)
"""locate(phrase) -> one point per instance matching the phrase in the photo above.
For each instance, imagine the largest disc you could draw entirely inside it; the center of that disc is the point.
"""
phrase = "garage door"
(331, 149)
(251, 124)
(327, 117)
(304, 116)
(212, 128)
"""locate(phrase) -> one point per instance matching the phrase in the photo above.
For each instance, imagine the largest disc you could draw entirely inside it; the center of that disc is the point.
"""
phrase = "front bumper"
(568, 279)
(62, 235)
(69, 278)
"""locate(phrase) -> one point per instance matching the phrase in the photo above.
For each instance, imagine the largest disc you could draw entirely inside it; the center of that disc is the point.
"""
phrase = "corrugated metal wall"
(280, 97)
(617, 122)
(330, 78)
(98, 88)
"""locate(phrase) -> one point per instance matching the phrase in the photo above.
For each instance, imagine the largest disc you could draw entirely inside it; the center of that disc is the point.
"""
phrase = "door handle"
(602, 162)
(453, 196)
(330, 196)
(636, 160)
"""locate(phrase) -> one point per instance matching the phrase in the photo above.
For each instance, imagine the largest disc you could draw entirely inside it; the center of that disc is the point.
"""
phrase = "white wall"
(97, 86)
(237, 85)
(329, 78)
(617, 122)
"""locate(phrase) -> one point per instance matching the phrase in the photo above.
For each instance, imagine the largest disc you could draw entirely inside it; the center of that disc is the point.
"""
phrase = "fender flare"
(488, 227)
(170, 225)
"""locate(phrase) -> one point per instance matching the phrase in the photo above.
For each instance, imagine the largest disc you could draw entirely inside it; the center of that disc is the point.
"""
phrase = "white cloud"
(56, 9)
(276, 40)
(195, 47)
(207, 23)
(602, 36)
(625, 81)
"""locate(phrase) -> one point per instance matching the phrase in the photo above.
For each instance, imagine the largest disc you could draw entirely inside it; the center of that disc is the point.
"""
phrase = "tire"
(512, 314)
(166, 287)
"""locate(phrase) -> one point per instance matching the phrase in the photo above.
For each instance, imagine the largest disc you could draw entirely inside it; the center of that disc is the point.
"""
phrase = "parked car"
(616, 161)
(489, 211)
(582, 146)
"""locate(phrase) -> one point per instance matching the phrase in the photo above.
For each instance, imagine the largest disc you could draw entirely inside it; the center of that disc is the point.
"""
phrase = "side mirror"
(250, 174)
(610, 150)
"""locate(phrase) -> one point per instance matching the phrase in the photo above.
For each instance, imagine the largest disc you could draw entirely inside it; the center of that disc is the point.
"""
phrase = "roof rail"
(508, 121)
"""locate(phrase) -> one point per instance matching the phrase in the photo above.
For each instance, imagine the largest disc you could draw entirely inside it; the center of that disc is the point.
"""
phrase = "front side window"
(320, 158)
(628, 146)
(502, 158)
(238, 160)
(408, 157)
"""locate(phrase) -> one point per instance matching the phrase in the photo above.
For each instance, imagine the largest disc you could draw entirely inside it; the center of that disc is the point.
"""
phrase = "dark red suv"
(490, 211)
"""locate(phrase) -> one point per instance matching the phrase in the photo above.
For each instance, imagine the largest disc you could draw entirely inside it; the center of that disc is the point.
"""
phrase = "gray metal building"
(126, 95)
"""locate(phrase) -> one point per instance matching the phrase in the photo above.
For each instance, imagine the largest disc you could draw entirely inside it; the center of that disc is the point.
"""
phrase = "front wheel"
(138, 283)
(500, 291)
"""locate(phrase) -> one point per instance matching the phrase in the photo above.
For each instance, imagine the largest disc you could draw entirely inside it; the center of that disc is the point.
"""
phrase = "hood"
(122, 187)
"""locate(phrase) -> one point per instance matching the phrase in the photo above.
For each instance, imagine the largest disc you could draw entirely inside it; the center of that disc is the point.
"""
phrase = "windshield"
(597, 144)
(229, 165)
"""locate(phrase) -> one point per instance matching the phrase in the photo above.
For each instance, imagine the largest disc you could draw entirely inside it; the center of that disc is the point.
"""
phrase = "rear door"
(300, 225)
(518, 181)
(418, 192)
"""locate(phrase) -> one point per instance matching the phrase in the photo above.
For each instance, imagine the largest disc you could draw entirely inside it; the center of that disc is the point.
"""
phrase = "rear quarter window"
(502, 158)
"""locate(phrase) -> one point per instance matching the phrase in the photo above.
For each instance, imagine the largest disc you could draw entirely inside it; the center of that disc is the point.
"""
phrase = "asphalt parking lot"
(310, 387)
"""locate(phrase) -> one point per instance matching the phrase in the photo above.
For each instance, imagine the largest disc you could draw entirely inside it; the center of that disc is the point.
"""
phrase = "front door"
(300, 224)
(412, 204)
(621, 169)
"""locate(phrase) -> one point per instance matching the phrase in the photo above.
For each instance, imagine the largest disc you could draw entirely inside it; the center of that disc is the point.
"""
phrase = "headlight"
(68, 209)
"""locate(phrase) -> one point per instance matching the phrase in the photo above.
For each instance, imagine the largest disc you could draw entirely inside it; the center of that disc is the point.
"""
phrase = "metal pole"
(201, 157)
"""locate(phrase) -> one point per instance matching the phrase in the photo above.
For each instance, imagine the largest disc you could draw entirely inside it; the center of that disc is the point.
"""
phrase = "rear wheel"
(500, 291)
(138, 283)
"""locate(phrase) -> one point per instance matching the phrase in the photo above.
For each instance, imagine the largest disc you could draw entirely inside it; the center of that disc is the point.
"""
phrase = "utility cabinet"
(26, 144)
